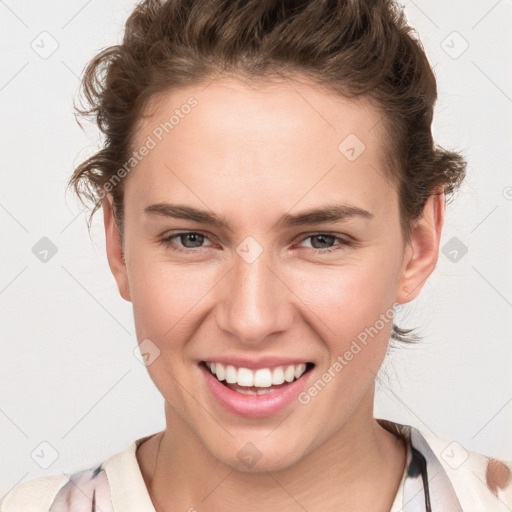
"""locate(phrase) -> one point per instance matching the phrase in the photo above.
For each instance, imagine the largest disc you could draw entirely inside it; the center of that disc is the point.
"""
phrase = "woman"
(271, 196)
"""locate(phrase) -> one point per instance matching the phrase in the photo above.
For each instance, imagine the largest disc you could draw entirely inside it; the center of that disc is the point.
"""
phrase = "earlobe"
(114, 248)
(422, 252)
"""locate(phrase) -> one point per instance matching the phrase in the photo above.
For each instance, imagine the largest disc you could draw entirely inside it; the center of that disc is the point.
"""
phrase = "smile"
(255, 382)
(255, 392)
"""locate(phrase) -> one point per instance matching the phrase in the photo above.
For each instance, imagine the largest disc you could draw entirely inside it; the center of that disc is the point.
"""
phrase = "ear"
(422, 251)
(114, 248)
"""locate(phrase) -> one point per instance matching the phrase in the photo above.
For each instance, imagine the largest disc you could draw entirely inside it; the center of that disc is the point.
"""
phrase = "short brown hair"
(355, 48)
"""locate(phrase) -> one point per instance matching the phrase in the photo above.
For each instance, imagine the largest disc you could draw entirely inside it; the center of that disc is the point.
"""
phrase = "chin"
(260, 455)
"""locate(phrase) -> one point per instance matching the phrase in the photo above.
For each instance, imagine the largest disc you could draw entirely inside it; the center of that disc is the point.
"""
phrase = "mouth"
(255, 392)
(259, 381)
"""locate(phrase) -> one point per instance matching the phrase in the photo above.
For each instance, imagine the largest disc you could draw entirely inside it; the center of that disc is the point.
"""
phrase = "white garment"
(433, 481)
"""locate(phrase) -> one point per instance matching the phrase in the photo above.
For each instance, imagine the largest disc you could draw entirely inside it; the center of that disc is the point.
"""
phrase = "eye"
(323, 242)
(193, 241)
(190, 240)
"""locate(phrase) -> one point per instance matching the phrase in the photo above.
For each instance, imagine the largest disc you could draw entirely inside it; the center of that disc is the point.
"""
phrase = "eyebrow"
(328, 213)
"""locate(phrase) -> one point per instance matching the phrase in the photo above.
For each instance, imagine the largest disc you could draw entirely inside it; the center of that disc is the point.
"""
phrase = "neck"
(358, 467)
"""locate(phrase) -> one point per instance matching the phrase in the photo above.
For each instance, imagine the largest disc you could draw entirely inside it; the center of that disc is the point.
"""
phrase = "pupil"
(322, 237)
(194, 237)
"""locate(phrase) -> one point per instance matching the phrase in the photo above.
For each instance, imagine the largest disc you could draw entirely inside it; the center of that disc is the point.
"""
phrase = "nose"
(255, 303)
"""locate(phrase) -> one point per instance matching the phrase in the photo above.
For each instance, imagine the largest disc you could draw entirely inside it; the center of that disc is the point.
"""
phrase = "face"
(226, 262)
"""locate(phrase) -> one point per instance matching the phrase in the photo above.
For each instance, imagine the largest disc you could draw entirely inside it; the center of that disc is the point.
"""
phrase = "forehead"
(247, 107)
(250, 141)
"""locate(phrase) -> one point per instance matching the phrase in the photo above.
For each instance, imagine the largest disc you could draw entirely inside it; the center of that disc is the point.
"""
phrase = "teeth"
(261, 378)
(220, 371)
(231, 374)
(265, 391)
(257, 392)
(245, 377)
(246, 391)
(289, 373)
(278, 375)
(299, 370)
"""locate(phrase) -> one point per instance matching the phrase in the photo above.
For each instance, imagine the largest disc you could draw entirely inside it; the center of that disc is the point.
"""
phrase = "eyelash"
(343, 242)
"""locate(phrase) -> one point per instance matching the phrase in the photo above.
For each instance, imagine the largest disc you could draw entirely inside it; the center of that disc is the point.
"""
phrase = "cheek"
(352, 296)
(169, 300)
(164, 301)
(166, 307)
(351, 309)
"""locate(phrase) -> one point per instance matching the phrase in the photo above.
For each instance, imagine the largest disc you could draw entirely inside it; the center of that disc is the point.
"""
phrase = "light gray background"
(69, 376)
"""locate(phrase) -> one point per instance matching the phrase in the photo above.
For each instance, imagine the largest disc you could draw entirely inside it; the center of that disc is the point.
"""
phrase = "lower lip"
(253, 406)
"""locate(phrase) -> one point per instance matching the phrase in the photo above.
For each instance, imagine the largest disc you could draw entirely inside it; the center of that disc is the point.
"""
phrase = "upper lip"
(255, 363)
